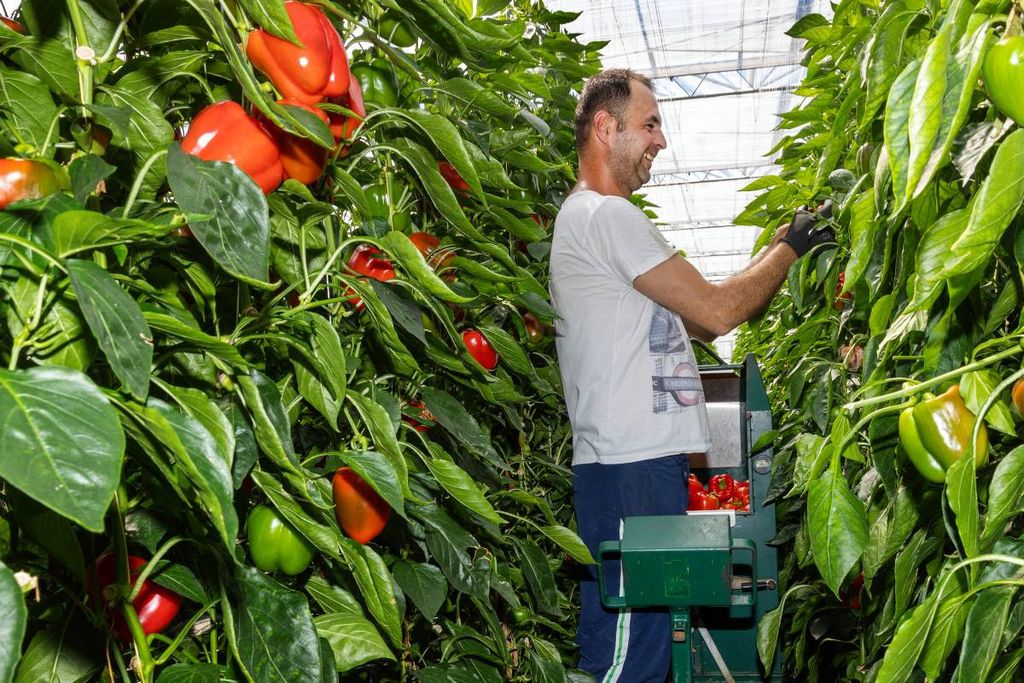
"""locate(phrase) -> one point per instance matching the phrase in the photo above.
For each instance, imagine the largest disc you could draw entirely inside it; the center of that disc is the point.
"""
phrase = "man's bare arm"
(708, 309)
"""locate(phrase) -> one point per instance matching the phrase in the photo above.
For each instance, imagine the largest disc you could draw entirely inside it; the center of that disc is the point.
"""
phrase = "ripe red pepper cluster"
(316, 72)
(722, 493)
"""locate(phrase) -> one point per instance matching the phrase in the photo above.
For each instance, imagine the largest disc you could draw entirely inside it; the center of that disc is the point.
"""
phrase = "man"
(627, 304)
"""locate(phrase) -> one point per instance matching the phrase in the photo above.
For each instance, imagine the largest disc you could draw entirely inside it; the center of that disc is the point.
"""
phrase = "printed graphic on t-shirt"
(675, 382)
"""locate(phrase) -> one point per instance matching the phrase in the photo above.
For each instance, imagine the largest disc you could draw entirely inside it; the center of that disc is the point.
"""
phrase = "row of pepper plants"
(899, 465)
(279, 400)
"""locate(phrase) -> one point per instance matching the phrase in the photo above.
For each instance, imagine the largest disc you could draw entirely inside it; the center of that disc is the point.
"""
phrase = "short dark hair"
(607, 91)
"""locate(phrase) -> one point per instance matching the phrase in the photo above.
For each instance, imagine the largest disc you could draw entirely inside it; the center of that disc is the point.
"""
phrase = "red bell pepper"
(156, 606)
(722, 486)
(365, 260)
(225, 132)
(301, 158)
(480, 349)
(705, 501)
(696, 488)
(26, 179)
(344, 127)
(310, 73)
(361, 512)
(452, 177)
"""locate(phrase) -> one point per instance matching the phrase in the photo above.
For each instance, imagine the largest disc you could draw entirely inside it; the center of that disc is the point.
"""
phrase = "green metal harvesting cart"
(714, 570)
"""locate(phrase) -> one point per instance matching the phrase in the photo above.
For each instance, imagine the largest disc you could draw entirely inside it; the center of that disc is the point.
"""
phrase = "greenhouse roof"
(723, 70)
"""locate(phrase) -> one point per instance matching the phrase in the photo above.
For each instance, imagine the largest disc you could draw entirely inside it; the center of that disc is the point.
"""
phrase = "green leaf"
(424, 584)
(768, 627)
(12, 628)
(195, 453)
(897, 129)
(1005, 493)
(539, 577)
(200, 407)
(33, 115)
(384, 438)
(567, 540)
(446, 138)
(463, 427)
(75, 231)
(863, 229)
(398, 245)
(50, 60)
(375, 584)
(62, 442)
(976, 388)
(461, 486)
(237, 232)
(509, 350)
(87, 171)
(477, 96)
(442, 196)
(905, 648)
(333, 599)
(271, 16)
(380, 474)
(353, 639)
(169, 325)
(270, 419)
(117, 324)
(932, 257)
(994, 207)
(946, 632)
(838, 527)
(191, 673)
(57, 657)
(447, 543)
(274, 631)
(962, 493)
(983, 632)
(961, 77)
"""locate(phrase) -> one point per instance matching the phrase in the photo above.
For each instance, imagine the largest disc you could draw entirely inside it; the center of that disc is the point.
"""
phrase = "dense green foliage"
(889, 575)
(178, 348)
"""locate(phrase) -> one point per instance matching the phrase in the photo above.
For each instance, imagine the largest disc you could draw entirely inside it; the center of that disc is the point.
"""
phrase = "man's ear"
(604, 125)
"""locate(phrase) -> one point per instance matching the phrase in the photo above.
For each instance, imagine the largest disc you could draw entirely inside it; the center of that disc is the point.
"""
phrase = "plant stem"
(938, 379)
(85, 57)
(146, 665)
(991, 401)
(112, 47)
(137, 185)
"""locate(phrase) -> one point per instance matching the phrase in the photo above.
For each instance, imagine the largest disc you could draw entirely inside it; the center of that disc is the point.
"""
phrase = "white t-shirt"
(628, 371)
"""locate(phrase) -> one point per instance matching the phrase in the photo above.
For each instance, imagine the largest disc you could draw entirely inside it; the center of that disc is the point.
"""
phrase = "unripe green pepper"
(274, 545)
(945, 426)
(918, 455)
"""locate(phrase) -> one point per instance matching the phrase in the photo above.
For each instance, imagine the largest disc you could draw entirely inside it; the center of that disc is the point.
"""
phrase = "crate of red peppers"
(722, 493)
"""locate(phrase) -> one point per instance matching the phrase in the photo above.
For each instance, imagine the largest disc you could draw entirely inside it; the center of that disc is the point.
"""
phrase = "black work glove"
(804, 233)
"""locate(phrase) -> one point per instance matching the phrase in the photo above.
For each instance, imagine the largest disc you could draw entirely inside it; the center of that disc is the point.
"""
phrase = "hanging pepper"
(452, 176)
(366, 261)
(274, 545)
(301, 158)
(156, 606)
(376, 83)
(344, 127)
(26, 179)
(937, 431)
(225, 132)
(309, 73)
(361, 511)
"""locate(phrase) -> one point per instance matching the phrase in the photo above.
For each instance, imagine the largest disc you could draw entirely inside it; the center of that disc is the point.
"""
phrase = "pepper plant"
(899, 468)
(192, 338)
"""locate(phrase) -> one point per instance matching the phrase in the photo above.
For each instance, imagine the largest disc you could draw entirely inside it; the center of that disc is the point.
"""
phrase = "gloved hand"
(804, 233)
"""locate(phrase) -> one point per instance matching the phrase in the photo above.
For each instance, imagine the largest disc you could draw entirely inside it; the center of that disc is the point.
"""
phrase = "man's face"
(638, 141)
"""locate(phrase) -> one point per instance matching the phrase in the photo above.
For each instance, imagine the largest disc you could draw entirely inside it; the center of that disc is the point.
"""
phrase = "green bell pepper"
(274, 545)
(936, 432)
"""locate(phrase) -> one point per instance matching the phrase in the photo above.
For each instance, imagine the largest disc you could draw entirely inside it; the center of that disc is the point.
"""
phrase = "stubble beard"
(627, 172)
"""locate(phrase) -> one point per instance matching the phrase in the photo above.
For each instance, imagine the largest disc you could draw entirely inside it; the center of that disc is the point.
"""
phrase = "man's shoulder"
(592, 203)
